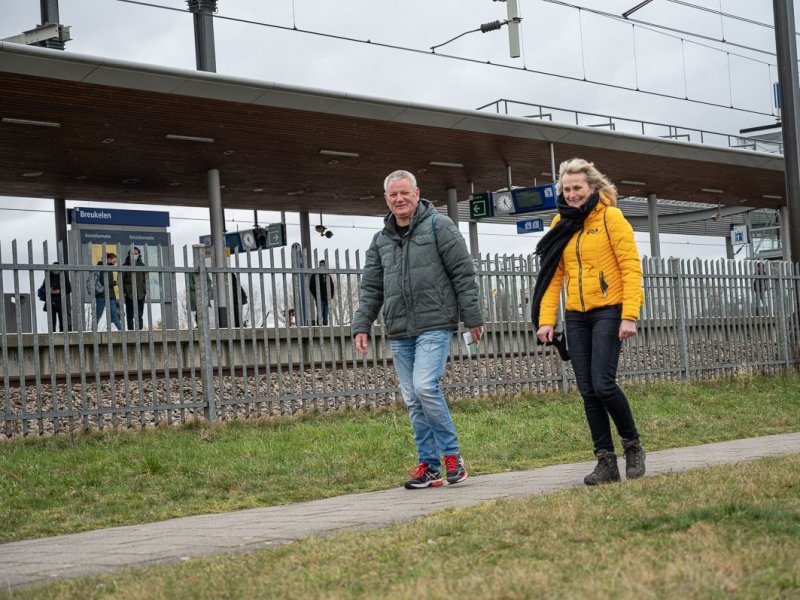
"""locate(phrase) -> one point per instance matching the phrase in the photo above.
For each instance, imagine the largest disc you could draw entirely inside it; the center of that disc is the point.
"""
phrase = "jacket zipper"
(580, 270)
(403, 272)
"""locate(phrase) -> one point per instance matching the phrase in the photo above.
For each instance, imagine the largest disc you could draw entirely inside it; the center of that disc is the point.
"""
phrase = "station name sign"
(118, 216)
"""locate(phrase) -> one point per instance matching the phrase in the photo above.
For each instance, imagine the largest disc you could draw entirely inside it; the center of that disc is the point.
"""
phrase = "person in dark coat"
(238, 303)
(134, 299)
(418, 269)
(55, 306)
(321, 288)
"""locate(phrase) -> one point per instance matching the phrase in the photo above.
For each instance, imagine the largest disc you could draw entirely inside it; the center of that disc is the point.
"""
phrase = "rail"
(649, 128)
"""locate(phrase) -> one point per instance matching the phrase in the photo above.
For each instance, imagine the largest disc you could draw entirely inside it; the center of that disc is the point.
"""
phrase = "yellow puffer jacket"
(600, 266)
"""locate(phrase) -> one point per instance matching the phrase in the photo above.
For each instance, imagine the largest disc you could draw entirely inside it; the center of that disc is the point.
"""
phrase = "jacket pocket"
(422, 239)
(603, 285)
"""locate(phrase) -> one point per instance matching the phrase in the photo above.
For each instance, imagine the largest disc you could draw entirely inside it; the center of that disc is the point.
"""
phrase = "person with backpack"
(56, 305)
(419, 270)
(101, 284)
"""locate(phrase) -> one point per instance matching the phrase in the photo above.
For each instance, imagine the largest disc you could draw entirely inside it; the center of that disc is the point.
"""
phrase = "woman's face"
(576, 189)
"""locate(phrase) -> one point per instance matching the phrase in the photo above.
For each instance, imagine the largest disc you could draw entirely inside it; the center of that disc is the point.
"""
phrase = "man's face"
(402, 199)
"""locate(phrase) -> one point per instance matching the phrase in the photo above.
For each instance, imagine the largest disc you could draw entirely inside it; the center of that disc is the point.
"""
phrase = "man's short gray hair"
(395, 175)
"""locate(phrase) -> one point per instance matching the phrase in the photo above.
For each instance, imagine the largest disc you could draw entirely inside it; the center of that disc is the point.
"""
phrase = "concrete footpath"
(35, 562)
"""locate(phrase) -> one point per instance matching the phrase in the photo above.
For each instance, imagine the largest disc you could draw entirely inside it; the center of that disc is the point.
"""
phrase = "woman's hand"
(545, 333)
(627, 329)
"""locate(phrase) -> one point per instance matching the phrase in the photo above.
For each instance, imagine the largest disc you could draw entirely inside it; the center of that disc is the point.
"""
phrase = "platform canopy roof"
(122, 132)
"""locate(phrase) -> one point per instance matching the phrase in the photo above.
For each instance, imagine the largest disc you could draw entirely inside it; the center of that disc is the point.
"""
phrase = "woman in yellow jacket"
(590, 250)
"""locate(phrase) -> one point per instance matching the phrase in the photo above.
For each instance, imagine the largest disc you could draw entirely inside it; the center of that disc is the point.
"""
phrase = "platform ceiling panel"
(112, 143)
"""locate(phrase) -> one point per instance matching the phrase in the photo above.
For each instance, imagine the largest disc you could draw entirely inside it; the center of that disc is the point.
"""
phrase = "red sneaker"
(423, 476)
(455, 468)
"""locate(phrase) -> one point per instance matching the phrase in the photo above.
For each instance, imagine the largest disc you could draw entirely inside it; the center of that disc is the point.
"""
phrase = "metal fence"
(277, 356)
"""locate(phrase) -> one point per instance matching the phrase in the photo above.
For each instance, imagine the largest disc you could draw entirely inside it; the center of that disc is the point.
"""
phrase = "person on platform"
(134, 289)
(103, 283)
(57, 297)
(321, 288)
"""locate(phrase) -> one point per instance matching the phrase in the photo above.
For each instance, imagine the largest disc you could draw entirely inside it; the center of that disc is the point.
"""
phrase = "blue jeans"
(594, 347)
(419, 362)
(99, 307)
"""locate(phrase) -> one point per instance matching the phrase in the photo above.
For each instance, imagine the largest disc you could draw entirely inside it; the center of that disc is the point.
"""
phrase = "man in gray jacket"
(419, 270)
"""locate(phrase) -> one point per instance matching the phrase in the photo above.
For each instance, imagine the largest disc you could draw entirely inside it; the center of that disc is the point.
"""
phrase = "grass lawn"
(87, 481)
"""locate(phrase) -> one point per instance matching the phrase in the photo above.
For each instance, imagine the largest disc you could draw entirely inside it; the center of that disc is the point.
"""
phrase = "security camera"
(323, 231)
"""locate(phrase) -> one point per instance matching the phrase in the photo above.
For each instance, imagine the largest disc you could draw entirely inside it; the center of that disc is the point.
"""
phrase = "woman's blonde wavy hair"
(596, 180)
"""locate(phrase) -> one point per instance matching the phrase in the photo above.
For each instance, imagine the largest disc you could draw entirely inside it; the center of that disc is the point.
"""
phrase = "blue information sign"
(532, 199)
(232, 241)
(530, 226)
(118, 216)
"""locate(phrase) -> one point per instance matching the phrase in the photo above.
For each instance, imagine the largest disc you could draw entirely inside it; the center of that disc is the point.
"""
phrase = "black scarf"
(551, 246)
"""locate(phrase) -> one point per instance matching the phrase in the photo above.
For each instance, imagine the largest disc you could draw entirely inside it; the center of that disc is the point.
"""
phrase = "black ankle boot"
(606, 470)
(634, 459)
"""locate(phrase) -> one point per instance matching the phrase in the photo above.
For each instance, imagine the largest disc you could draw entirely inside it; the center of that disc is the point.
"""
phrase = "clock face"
(503, 203)
(248, 240)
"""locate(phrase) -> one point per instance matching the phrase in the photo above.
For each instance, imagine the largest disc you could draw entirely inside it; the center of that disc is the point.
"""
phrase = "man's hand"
(545, 333)
(627, 329)
(362, 342)
(476, 333)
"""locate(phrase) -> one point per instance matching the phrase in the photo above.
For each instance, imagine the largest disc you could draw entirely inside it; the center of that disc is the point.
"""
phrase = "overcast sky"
(557, 39)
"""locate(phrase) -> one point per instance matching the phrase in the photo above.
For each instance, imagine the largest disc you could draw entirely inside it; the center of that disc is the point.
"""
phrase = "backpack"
(94, 285)
(41, 293)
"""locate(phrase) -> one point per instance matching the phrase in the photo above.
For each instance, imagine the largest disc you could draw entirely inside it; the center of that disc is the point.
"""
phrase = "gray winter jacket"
(424, 281)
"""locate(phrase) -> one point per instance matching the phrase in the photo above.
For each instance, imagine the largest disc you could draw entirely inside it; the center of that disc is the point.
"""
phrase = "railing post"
(676, 269)
(782, 319)
(203, 327)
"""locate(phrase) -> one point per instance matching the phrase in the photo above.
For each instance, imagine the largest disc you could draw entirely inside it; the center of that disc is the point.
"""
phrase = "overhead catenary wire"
(480, 62)
(655, 27)
(723, 14)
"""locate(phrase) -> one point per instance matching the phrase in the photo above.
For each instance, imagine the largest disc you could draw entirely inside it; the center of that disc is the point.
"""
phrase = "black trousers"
(594, 346)
(130, 316)
(57, 314)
